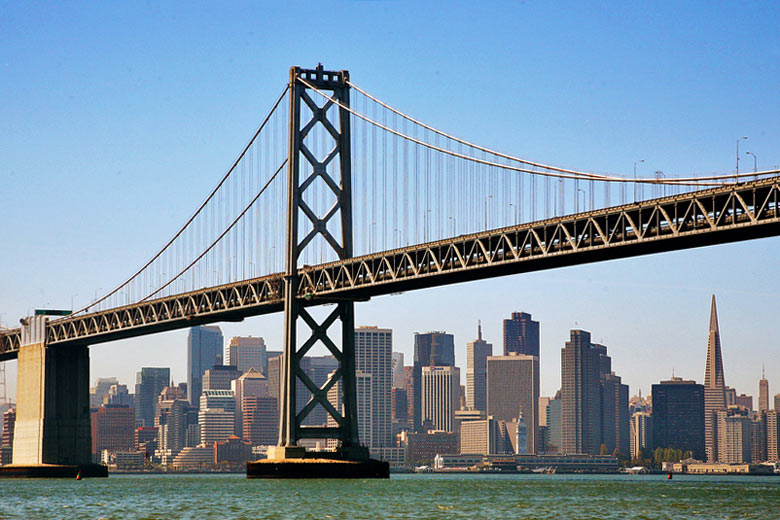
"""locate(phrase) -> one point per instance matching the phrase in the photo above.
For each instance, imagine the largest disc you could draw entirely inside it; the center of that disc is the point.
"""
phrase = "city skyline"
(672, 101)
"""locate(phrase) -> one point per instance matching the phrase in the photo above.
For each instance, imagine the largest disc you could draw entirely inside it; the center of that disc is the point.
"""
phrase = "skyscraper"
(250, 384)
(580, 395)
(615, 422)
(364, 388)
(763, 393)
(678, 416)
(512, 388)
(431, 349)
(204, 350)
(714, 386)
(477, 353)
(641, 433)
(398, 369)
(219, 377)
(149, 382)
(245, 353)
(373, 355)
(521, 335)
(440, 388)
(216, 416)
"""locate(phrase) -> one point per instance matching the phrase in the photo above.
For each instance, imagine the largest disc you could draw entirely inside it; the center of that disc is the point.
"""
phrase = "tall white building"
(440, 396)
(217, 415)
(373, 355)
(245, 353)
(364, 384)
(641, 432)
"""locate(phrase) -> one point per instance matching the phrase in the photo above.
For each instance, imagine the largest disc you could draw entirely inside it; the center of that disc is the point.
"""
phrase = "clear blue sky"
(116, 119)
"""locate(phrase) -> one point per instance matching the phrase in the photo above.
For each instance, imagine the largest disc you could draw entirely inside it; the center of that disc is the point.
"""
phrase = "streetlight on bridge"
(755, 164)
(635, 163)
(736, 179)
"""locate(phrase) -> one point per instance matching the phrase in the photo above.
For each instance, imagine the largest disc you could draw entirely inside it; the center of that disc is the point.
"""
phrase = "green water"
(403, 496)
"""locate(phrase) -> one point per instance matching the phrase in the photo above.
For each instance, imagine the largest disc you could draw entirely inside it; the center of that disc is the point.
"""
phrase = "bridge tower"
(305, 167)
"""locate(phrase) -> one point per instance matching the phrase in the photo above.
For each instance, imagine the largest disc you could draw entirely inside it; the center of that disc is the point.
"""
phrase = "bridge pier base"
(52, 436)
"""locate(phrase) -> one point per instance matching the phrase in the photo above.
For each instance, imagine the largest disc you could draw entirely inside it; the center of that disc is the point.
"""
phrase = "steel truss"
(714, 216)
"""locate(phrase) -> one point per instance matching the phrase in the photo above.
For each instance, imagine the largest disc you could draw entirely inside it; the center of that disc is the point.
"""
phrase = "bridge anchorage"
(334, 168)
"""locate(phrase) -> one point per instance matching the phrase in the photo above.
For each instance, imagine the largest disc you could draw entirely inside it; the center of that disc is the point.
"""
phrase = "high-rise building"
(245, 353)
(734, 430)
(553, 444)
(483, 437)
(431, 349)
(250, 384)
(373, 355)
(113, 428)
(763, 393)
(521, 335)
(7, 444)
(216, 416)
(204, 350)
(173, 420)
(98, 392)
(615, 423)
(398, 369)
(440, 387)
(260, 420)
(678, 416)
(777, 402)
(772, 429)
(149, 382)
(641, 433)
(714, 386)
(477, 353)
(512, 388)
(220, 377)
(400, 406)
(119, 395)
(580, 395)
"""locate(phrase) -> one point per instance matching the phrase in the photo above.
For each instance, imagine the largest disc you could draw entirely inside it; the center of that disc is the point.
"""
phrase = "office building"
(580, 396)
(149, 382)
(421, 448)
(113, 428)
(641, 433)
(678, 416)
(245, 353)
(763, 393)
(220, 377)
(174, 417)
(512, 388)
(483, 437)
(431, 349)
(714, 386)
(374, 355)
(553, 442)
(734, 430)
(216, 416)
(204, 350)
(7, 444)
(440, 387)
(260, 420)
(250, 384)
(364, 387)
(772, 432)
(615, 423)
(119, 395)
(521, 335)
(477, 353)
(99, 391)
(398, 369)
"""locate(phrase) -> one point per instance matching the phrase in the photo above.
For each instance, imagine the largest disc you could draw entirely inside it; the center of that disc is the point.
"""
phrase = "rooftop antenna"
(763, 371)
(479, 330)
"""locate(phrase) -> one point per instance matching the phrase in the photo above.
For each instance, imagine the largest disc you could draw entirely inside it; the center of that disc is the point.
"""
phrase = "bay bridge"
(339, 197)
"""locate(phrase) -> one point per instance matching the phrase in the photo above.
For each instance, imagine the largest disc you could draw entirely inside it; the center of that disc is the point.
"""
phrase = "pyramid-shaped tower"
(714, 385)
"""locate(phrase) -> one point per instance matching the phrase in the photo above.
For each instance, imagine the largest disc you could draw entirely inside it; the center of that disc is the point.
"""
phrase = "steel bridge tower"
(334, 169)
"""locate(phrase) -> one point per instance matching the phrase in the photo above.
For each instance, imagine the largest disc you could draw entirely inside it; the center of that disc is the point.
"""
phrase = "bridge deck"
(713, 216)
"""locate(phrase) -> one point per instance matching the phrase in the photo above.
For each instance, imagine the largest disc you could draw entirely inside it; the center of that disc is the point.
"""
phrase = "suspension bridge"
(339, 197)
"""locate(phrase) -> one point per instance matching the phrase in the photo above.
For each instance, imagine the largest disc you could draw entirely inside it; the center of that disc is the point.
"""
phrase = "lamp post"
(755, 164)
(635, 163)
(736, 179)
(453, 224)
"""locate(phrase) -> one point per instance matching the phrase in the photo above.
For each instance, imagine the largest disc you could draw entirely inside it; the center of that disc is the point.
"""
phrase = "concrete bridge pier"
(52, 437)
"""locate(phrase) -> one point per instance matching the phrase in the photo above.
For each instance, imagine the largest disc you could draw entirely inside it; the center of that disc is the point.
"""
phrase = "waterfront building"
(219, 377)
(145, 439)
(7, 444)
(113, 428)
(521, 335)
(149, 382)
(421, 448)
(199, 457)
(641, 433)
(763, 393)
(477, 352)
(440, 389)
(245, 352)
(580, 395)
(431, 349)
(482, 437)
(615, 423)
(232, 452)
(715, 398)
(204, 350)
(678, 416)
(373, 355)
(512, 389)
